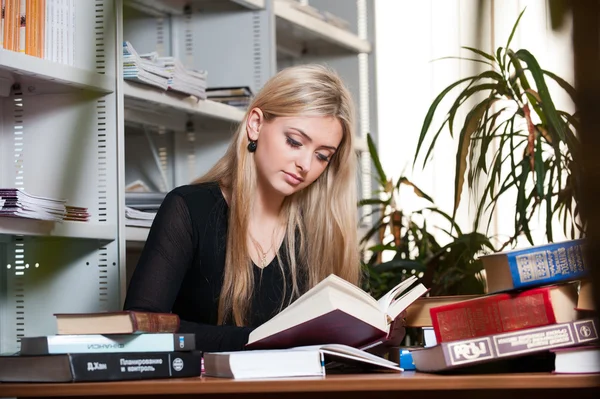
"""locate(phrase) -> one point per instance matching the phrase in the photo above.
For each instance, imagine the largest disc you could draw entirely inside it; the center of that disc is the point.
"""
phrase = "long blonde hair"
(323, 215)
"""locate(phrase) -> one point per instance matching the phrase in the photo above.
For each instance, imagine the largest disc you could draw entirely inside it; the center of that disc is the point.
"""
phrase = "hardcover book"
(124, 322)
(336, 312)
(417, 314)
(79, 367)
(295, 362)
(535, 266)
(464, 353)
(496, 313)
(60, 344)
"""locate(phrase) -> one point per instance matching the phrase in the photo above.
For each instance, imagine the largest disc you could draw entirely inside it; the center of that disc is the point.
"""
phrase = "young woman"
(273, 217)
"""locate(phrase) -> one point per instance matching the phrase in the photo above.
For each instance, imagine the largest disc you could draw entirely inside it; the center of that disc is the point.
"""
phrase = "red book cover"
(335, 327)
(504, 312)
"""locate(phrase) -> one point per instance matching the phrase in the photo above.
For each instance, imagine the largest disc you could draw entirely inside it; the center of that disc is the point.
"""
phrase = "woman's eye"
(322, 157)
(292, 142)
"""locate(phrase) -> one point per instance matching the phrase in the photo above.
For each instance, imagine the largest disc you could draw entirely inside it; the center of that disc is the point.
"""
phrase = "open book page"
(385, 301)
(400, 304)
(348, 352)
(318, 304)
(338, 284)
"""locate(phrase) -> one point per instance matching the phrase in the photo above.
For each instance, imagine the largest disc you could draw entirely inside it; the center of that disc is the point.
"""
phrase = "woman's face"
(292, 152)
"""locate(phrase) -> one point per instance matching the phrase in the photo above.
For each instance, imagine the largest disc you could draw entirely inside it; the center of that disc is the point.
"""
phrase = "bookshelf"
(80, 132)
(33, 71)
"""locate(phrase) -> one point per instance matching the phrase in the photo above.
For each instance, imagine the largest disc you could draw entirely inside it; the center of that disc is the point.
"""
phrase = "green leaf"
(481, 53)
(562, 83)
(512, 33)
(382, 178)
(547, 103)
(432, 109)
(465, 59)
(417, 190)
(471, 123)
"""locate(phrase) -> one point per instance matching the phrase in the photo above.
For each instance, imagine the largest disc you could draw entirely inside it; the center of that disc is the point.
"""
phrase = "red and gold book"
(511, 311)
(124, 322)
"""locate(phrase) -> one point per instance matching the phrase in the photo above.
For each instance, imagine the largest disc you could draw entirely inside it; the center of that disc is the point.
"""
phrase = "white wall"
(409, 35)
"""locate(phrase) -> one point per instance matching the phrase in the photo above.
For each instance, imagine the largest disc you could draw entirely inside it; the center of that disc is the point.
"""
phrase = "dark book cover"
(85, 367)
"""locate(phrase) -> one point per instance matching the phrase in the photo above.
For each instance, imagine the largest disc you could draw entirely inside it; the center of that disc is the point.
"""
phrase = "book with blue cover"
(535, 266)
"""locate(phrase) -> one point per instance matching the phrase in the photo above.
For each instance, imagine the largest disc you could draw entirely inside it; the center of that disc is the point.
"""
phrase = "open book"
(336, 312)
(295, 362)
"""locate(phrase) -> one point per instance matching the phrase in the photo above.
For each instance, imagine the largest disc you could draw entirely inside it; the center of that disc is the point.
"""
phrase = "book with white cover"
(303, 361)
(336, 312)
(112, 343)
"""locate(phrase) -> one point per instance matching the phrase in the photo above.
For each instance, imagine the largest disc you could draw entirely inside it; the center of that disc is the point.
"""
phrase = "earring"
(252, 146)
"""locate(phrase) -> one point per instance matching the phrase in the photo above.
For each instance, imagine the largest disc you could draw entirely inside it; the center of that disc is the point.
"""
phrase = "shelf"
(21, 68)
(136, 234)
(175, 7)
(149, 105)
(31, 227)
(301, 33)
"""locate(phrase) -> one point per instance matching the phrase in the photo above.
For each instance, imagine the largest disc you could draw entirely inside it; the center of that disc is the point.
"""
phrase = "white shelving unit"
(82, 133)
(136, 234)
(40, 228)
(146, 104)
(58, 139)
(297, 29)
(22, 68)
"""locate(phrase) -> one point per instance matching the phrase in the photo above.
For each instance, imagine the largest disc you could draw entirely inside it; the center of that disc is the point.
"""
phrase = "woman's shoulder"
(199, 195)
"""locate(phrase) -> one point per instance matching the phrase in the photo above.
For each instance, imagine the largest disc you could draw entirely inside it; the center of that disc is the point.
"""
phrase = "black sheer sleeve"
(167, 257)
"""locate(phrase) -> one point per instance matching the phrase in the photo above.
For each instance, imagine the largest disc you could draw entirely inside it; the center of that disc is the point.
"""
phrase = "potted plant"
(446, 269)
(536, 153)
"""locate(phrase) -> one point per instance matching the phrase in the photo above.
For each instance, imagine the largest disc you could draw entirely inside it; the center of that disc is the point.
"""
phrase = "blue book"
(532, 267)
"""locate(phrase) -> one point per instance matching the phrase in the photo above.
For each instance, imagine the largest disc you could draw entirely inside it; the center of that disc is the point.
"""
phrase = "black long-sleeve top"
(181, 269)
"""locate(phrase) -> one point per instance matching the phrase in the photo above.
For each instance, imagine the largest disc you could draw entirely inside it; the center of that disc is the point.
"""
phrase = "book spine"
(532, 340)
(493, 314)
(59, 344)
(547, 264)
(131, 366)
(154, 322)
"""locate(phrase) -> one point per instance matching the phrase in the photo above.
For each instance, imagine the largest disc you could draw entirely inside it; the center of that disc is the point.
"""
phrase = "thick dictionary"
(535, 266)
(468, 352)
(498, 313)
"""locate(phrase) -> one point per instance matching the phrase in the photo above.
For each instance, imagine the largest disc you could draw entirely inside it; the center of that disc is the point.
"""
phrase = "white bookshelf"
(296, 29)
(66, 229)
(176, 7)
(17, 67)
(136, 234)
(146, 104)
(63, 133)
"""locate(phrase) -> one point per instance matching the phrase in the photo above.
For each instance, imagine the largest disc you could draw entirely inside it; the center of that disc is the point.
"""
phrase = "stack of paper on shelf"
(141, 70)
(239, 97)
(17, 203)
(76, 214)
(184, 80)
(141, 208)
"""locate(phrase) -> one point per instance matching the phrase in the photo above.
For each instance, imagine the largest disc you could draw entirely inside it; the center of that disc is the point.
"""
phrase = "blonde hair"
(327, 234)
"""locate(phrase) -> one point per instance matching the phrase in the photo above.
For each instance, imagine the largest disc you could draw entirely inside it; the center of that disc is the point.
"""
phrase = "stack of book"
(136, 68)
(105, 347)
(184, 80)
(141, 208)
(40, 28)
(17, 203)
(239, 97)
(167, 73)
(537, 307)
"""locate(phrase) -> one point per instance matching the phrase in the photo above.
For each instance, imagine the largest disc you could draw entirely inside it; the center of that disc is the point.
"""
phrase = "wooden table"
(365, 386)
